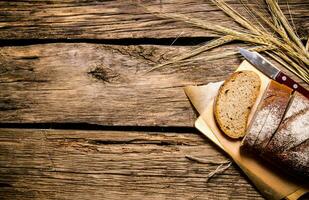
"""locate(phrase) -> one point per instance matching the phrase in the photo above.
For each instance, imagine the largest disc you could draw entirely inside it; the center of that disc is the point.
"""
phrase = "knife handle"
(284, 79)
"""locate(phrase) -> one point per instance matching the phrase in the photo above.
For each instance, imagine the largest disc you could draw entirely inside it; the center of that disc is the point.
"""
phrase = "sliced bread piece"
(234, 102)
(289, 147)
(295, 160)
(294, 128)
(285, 145)
(267, 117)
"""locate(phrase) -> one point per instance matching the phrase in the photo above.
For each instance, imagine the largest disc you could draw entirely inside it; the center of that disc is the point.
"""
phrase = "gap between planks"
(104, 85)
(122, 19)
(172, 41)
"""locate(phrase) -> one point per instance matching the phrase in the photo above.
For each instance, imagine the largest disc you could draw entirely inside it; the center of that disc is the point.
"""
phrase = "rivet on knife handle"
(284, 79)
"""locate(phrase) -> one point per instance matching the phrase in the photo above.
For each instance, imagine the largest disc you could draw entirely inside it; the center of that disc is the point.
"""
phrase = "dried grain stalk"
(271, 32)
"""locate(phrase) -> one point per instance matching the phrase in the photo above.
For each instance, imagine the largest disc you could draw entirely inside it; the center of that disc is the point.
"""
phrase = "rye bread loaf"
(289, 146)
(234, 101)
(294, 128)
(294, 160)
(267, 116)
(285, 143)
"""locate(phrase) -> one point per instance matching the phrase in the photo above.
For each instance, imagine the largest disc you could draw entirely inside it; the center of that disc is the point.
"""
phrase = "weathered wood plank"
(120, 19)
(69, 164)
(101, 84)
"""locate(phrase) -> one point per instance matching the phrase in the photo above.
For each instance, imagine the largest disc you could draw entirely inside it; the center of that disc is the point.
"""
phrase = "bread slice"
(294, 128)
(267, 117)
(289, 146)
(234, 102)
(295, 160)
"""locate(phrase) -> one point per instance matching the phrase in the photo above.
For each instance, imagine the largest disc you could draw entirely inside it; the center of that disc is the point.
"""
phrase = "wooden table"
(80, 118)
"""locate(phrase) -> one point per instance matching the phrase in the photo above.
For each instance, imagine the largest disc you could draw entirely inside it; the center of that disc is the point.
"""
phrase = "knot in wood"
(103, 74)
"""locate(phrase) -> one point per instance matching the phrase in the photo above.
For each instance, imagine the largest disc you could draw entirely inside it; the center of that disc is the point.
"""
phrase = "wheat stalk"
(276, 11)
(230, 53)
(282, 44)
(197, 51)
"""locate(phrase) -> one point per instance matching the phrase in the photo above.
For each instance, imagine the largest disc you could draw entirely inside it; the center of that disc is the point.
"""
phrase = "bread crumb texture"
(234, 102)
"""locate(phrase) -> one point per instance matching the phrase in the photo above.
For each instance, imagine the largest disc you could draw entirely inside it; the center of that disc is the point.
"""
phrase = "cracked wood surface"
(64, 83)
(75, 164)
(101, 84)
(72, 19)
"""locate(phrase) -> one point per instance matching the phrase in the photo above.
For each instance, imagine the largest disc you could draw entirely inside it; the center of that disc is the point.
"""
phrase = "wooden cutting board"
(271, 183)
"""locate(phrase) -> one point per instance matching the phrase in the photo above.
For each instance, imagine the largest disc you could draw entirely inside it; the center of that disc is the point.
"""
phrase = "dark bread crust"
(267, 117)
(295, 160)
(288, 137)
(289, 147)
(285, 143)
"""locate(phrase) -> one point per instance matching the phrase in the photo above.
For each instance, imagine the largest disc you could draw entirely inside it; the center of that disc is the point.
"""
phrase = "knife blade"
(267, 68)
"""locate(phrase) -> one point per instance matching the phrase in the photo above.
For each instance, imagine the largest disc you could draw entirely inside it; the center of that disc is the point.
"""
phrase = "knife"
(263, 65)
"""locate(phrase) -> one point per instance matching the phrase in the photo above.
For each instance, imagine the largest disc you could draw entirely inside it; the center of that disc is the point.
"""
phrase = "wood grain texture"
(70, 164)
(101, 84)
(107, 85)
(74, 19)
